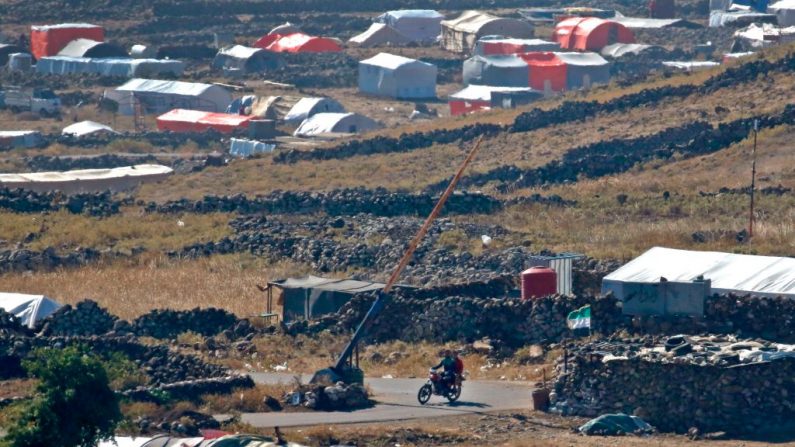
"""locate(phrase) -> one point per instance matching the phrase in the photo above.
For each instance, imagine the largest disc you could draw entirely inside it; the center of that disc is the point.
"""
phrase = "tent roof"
(585, 24)
(285, 28)
(320, 123)
(782, 4)
(392, 61)
(470, 21)
(17, 133)
(413, 13)
(78, 47)
(295, 41)
(210, 118)
(28, 308)
(240, 51)
(759, 275)
(581, 59)
(375, 29)
(646, 23)
(87, 174)
(331, 285)
(63, 26)
(515, 41)
(166, 87)
(507, 60)
(85, 128)
(483, 92)
(303, 107)
(690, 65)
(619, 49)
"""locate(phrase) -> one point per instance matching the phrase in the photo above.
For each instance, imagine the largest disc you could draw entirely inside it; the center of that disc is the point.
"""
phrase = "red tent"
(48, 40)
(590, 33)
(545, 68)
(297, 43)
(181, 120)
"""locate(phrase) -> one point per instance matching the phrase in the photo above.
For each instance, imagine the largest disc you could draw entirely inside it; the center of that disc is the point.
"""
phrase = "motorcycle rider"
(459, 368)
(448, 363)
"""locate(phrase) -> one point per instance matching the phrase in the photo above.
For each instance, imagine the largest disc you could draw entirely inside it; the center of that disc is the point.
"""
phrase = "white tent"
(461, 34)
(307, 107)
(247, 59)
(20, 138)
(419, 25)
(730, 273)
(84, 128)
(785, 12)
(285, 29)
(30, 309)
(324, 123)
(158, 97)
(398, 77)
(379, 34)
(87, 180)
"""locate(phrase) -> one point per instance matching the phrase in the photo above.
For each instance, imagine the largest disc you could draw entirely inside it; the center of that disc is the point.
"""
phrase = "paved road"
(397, 400)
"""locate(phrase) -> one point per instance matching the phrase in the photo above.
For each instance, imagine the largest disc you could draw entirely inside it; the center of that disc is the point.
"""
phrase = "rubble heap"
(708, 383)
(167, 323)
(25, 201)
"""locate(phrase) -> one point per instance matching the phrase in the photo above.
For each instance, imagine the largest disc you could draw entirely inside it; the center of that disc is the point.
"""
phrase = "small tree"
(74, 405)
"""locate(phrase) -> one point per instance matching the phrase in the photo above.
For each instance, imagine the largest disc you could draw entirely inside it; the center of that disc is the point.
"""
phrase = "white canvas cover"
(765, 35)
(461, 34)
(785, 12)
(379, 34)
(730, 273)
(86, 128)
(397, 77)
(323, 123)
(81, 47)
(87, 180)
(285, 29)
(122, 67)
(158, 96)
(30, 309)
(307, 107)
(419, 25)
(483, 92)
(647, 23)
(690, 65)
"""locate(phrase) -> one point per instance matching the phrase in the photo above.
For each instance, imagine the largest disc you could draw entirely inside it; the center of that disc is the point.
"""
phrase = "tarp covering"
(247, 59)
(617, 50)
(739, 18)
(48, 40)
(181, 120)
(322, 123)
(91, 48)
(646, 23)
(307, 107)
(158, 96)
(273, 107)
(312, 296)
(379, 34)
(590, 33)
(419, 25)
(499, 70)
(87, 180)
(20, 138)
(730, 273)
(690, 65)
(478, 97)
(491, 45)
(547, 71)
(85, 128)
(245, 148)
(125, 67)
(616, 424)
(397, 77)
(30, 309)
(762, 36)
(298, 43)
(785, 12)
(461, 34)
(584, 69)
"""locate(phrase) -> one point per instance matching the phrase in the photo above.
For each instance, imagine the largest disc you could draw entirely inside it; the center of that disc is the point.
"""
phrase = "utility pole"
(753, 182)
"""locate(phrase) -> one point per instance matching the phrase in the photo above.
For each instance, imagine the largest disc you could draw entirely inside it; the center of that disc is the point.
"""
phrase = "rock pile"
(21, 260)
(85, 318)
(190, 389)
(337, 397)
(167, 323)
(24, 201)
(708, 385)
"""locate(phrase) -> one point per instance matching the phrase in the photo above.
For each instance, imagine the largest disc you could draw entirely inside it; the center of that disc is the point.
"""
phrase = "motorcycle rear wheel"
(454, 394)
(424, 395)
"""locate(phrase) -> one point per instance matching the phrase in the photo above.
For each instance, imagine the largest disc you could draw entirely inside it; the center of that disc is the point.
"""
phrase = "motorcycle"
(435, 387)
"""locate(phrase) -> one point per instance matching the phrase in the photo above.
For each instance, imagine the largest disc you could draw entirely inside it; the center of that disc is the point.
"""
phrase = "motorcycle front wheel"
(454, 393)
(424, 395)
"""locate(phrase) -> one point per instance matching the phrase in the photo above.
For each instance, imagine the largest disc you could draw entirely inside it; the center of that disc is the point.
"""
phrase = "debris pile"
(339, 396)
(713, 383)
(85, 318)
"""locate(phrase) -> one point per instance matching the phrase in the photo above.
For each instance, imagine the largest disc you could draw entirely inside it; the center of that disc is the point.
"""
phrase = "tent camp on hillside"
(590, 33)
(397, 77)
(180, 120)
(491, 45)
(460, 34)
(298, 43)
(378, 35)
(156, 96)
(335, 123)
(307, 107)
(480, 97)
(87, 180)
(247, 59)
(92, 48)
(48, 40)
(418, 25)
(30, 309)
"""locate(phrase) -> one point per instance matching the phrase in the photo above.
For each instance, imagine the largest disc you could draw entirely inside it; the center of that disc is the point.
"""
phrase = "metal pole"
(753, 182)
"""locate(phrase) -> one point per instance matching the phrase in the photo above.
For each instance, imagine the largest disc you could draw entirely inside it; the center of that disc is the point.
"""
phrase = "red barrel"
(538, 282)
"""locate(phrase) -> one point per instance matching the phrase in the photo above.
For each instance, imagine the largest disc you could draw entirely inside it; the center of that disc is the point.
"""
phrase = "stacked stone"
(85, 318)
(166, 323)
(24, 201)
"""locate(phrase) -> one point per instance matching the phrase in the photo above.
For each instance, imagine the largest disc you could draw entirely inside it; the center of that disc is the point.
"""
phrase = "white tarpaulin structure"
(307, 107)
(647, 23)
(86, 128)
(30, 309)
(765, 35)
(785, 12)
(158, 97)
(730, 273)
(419, 25)
(122, 67)
(460, 34)
(690, 65)
(324, 123)
(87, 180)
(20, 138)
(379, 34)
(397, 77)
